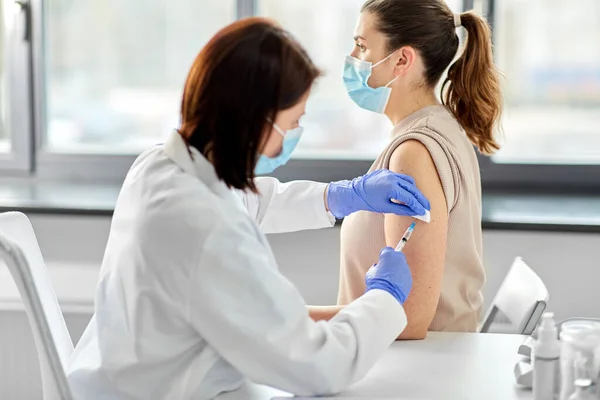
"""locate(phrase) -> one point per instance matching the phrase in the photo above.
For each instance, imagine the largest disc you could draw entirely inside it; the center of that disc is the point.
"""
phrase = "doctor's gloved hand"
(374, 192)
(391, 274)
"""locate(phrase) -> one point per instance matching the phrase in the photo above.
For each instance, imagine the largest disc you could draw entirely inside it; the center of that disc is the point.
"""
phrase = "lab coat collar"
(190, 160)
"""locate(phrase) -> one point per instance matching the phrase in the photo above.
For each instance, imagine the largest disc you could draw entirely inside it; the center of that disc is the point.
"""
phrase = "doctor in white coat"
(190, 300)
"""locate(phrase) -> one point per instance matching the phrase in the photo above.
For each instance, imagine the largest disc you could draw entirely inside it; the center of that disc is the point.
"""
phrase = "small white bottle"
(546, 354)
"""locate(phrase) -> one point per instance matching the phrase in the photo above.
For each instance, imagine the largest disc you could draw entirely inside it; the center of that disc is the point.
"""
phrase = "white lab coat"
(190, 300)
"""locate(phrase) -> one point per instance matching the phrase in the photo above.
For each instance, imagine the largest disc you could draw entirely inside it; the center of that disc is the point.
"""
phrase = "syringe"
(406, 236)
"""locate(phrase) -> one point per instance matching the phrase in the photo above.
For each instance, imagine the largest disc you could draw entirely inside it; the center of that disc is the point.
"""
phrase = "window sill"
(33, 196)
(541, 211)
(502, 210)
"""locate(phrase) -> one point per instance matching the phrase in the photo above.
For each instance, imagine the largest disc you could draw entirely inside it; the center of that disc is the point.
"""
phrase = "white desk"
(445, 366)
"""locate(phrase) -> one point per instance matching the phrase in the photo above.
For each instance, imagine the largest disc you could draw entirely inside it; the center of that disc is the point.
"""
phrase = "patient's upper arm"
(426, 249)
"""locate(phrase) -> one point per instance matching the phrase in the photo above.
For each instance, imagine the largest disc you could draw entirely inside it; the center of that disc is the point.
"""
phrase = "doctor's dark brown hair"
(472, 89)
(246, 73)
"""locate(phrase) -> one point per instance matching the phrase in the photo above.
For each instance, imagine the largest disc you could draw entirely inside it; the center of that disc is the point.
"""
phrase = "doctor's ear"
(404, 58)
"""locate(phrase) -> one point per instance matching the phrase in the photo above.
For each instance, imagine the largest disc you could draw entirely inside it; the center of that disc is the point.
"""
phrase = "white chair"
(20, 250)
(519, 303)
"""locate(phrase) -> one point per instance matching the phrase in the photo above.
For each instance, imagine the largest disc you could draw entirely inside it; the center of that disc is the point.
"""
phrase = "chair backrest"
(520, 301)
(20, 250)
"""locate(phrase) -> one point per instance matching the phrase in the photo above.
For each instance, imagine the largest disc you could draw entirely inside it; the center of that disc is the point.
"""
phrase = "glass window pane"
(115, 69)
(549, 51)
(5, 20)
(334, 125)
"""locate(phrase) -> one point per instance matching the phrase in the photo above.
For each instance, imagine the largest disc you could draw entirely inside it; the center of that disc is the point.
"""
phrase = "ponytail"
(472, 89)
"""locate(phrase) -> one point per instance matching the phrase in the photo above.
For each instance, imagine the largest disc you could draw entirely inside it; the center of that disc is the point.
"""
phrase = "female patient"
(402, 48)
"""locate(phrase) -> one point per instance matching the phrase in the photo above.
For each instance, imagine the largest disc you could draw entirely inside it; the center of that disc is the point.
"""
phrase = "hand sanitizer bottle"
(546, 353)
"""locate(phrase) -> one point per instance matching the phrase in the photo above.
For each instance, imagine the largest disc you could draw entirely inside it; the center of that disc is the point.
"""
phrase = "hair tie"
(457, 21)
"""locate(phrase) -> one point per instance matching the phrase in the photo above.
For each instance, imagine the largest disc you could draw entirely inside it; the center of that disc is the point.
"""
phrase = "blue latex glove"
(391, 274)
(374, 192)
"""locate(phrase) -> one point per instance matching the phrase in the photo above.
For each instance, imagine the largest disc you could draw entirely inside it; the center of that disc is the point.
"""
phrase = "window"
(108, 75)
(114, 70)
(334, 126)
(16, 134)
(549, 51)
(4, 136)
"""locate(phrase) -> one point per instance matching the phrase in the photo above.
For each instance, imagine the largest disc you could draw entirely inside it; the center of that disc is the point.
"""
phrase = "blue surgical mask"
(356, 76)
(266, 165)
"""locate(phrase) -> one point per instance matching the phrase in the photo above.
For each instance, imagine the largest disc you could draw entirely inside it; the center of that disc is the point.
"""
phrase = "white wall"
(73, 246)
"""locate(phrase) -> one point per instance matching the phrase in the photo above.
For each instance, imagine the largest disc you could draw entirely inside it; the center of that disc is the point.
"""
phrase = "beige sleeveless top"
(362, 236)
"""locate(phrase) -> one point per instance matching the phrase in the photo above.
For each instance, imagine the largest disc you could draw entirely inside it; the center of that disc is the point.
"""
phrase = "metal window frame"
(246, 8)
(18, 161)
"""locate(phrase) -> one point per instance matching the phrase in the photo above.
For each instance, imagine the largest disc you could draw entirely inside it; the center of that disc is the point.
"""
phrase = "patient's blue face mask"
(356, 76)
(266, 165)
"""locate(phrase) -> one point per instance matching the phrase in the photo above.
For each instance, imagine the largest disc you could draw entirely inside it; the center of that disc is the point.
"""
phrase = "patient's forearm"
(323, 313)
(413, 333)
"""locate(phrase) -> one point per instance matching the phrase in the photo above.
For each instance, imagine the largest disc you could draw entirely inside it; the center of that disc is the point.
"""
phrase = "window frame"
(18, 161)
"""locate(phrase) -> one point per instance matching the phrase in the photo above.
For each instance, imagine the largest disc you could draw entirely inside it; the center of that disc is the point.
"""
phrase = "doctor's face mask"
(281, 142)
(265, 164)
